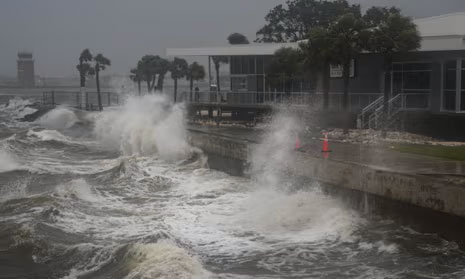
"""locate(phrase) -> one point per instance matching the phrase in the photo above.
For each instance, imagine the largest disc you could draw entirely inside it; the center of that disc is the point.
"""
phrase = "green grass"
(445, 152)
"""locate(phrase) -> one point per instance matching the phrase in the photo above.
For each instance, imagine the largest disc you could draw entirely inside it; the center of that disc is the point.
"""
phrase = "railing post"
(87, 101)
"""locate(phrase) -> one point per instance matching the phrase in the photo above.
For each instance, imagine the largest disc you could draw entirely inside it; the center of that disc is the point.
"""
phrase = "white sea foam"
(49, 135)
(145, 125)
(300, 216)
(18, 108)
(80, 189)
(58, 118)
(7, 162)
(162, 260)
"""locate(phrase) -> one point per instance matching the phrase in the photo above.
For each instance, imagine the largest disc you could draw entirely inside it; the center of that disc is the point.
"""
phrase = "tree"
(84, 67)
(390, 34)
(285, 64)
(348, 35)
(195, 72)
(161, 69)
(178, 70)
(237, 39)
(101, 62)
(318, 55)
(293, 21)
(137, 76)
(217, 61)
(147, 66)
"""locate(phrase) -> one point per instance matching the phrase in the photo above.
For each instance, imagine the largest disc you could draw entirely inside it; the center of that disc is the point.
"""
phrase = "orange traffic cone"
(297, 142)
(326, 144)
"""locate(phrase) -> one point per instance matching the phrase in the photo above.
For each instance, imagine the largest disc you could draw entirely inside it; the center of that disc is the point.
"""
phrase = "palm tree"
(147, 65)
(84, 67)
(318, 52)
(161, 69)
(217, 61)
(347, 37)
(137, 76)
(101, 62)
(195, 72)
(178, 70)
(390, 34)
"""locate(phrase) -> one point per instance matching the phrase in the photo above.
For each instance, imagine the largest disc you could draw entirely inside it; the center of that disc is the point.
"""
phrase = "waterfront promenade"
(375, 156)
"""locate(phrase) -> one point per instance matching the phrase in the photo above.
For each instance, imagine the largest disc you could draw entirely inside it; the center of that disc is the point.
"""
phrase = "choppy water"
(122, 195)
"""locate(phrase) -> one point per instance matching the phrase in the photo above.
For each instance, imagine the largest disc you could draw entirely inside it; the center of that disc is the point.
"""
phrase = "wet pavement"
(375, 156)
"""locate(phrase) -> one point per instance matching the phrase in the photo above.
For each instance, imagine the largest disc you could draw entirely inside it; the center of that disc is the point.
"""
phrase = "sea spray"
(7, 162)
(270, 159)
(162, 260)
(58, 118)
(275, 208)
(145, 126)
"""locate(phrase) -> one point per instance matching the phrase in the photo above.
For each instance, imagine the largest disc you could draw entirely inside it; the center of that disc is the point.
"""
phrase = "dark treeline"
(152, 69)
(334, 33)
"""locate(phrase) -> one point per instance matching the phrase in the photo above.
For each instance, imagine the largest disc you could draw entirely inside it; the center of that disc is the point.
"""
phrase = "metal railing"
(371, 117)
(85, 100)
(357, 101)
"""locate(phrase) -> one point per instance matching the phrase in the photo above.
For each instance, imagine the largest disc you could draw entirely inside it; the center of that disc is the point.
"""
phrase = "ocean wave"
(7, 162)
(17, 108)
(145, 126)
(163, 259)
(80, 189)
(50, 135)
(58, 118)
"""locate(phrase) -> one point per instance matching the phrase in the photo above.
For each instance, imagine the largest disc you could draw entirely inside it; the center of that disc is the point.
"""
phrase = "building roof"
(443, 25)
(233, 50)
(439, 33)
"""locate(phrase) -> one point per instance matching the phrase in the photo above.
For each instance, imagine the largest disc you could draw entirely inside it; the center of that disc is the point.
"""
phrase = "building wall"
(368, 76)
(26, 75)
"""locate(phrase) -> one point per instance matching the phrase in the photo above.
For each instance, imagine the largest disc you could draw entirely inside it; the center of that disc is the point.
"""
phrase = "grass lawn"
(445, 152)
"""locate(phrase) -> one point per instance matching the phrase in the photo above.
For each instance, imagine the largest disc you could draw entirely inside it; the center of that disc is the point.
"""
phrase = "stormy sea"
(122, 194)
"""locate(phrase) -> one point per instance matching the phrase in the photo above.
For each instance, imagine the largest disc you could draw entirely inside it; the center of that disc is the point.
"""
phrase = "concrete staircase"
(372, 116)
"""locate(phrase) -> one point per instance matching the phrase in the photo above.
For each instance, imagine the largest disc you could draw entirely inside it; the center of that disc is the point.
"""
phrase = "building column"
(458, 89)
(209, 73)
(441, 92)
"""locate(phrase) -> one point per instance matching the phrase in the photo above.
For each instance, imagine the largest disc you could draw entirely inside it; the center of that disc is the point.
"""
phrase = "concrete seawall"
(428, 203)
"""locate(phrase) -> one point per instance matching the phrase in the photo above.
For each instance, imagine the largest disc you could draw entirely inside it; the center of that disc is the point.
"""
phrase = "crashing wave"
(162, 260)
(145, 126)
(58, 118)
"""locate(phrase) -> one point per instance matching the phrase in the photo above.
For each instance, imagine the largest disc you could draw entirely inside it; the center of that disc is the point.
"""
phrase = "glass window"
(449, 100)
(450, 76)
(245, 65)
(235, 65)
(260, 84)
(417, 80)
(259, 65)
(417, 67)
(450, 85)
(239, 83)
(462, 101)
(251, 65)
(397, 67)
(463, 75)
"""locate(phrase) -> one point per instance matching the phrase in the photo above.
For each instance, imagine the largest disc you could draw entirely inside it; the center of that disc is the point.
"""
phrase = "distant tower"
(25, 69)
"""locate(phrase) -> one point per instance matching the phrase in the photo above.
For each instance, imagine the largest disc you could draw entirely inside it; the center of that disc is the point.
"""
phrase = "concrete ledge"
(419, 190)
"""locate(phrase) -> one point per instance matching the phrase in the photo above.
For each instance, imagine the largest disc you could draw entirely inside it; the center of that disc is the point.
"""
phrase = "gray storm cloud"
(56, 31)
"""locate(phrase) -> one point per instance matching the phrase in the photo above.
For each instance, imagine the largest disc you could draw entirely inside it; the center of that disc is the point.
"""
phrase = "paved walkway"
(377, 157)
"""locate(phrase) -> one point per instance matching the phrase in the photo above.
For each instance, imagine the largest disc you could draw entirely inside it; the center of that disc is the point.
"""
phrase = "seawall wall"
(427, 203)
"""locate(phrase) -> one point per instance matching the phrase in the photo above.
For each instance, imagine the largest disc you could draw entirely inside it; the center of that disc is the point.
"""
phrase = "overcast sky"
(124, 30)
